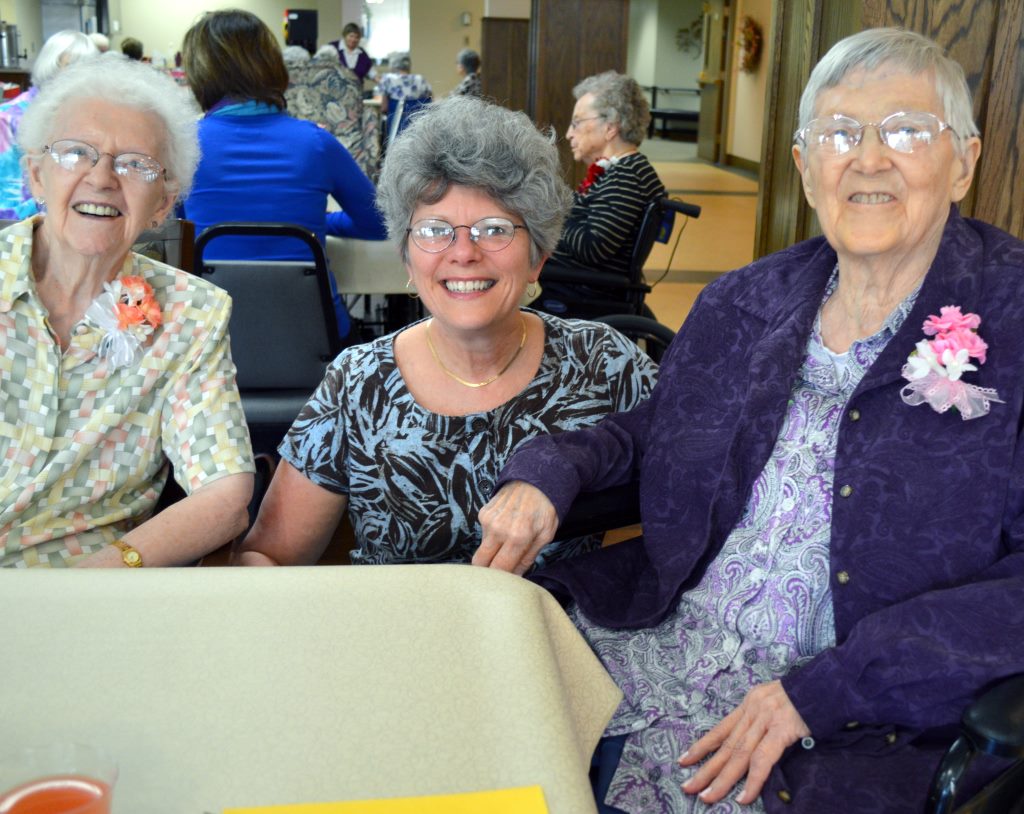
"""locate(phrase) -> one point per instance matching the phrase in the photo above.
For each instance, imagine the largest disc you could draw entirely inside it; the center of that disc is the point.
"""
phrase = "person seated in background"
(803, 616)
(59, 51)
(351, 55)
(467, 63)
(294, 56)
(409, 431)
(259, 164)
(115, 366)
(320, 90)
(608, 124)
(101, 41)
(132, 48)
(399, 84)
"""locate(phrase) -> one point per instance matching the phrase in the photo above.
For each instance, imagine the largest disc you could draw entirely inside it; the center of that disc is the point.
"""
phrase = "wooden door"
(570, 40)
(504, 46)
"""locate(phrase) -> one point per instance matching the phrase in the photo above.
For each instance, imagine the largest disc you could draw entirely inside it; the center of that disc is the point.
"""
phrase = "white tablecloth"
(366, 266)
(240, 687)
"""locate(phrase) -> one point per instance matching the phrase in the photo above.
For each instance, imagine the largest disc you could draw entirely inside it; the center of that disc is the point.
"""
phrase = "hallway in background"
(722, 238)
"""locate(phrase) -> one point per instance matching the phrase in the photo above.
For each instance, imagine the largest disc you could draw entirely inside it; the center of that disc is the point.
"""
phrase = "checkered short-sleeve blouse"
(84, 449)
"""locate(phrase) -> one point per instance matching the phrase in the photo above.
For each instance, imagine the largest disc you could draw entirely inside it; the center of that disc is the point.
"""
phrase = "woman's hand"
(748, 741)
(517, 523)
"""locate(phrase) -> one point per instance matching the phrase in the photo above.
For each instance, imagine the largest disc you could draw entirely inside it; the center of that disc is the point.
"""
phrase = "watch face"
(132, 559)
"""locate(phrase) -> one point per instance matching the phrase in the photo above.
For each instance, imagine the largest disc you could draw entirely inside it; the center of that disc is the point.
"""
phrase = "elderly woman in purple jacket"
(831, 475)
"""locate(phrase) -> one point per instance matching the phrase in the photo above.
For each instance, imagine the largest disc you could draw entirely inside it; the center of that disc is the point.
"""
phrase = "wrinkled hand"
(748, 741)
(517, 523)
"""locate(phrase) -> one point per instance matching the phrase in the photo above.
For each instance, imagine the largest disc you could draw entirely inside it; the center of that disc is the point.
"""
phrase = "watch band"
(129, 555)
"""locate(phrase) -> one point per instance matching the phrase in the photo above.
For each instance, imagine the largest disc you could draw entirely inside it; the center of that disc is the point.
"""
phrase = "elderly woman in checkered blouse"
(115, 366)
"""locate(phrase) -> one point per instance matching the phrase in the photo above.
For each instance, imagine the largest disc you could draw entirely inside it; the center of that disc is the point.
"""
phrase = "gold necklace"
(459, 379)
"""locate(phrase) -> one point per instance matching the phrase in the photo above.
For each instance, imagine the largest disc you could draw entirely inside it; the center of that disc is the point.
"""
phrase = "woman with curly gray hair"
(409, 432)
(608, 124)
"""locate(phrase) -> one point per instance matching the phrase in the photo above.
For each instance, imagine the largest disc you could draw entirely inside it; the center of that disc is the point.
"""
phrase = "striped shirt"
(603, 223)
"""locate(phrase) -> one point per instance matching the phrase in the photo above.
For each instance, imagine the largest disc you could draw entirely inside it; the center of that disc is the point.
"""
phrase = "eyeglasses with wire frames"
(490, 234)
(574, 123)
(79, 157)
(904, 132)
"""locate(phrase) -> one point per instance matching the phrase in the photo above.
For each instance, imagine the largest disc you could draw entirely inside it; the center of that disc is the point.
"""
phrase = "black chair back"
(284, 331)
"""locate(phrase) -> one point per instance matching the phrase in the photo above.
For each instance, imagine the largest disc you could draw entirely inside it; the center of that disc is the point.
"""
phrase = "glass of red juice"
(59, 778)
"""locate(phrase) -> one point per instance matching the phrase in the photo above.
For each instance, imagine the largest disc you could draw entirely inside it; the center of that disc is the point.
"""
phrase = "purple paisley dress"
(762, 608)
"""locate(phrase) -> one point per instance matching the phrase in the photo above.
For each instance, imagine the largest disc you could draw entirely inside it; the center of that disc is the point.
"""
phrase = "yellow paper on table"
(525, 800)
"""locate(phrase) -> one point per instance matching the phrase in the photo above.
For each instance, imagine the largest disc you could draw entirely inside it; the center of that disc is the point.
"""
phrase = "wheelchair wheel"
(649, 335)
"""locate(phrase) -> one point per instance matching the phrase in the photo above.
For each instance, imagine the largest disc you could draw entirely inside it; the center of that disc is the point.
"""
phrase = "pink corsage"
(129, 313)
(934, 369)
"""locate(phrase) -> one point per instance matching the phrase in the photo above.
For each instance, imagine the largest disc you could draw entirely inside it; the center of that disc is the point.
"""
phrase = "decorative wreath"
(750, 44)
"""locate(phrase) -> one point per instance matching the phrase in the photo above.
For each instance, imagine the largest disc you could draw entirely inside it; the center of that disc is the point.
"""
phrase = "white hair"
(59, 51)
(120, 81)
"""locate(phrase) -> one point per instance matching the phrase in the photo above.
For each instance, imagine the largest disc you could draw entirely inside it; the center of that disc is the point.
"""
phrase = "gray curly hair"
(907, 50)
(116, 79)
(618, 99)
(465, 141)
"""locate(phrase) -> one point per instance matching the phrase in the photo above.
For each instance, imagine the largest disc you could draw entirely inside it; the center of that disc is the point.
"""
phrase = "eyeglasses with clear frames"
(575, 123)
(490, 234)
(904, 132)
(79, 157)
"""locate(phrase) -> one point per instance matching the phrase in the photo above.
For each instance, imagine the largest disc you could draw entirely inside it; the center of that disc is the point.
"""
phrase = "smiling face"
(95, 212)
(352, 40)
(589, 140)
(465, 287)
(875, 202)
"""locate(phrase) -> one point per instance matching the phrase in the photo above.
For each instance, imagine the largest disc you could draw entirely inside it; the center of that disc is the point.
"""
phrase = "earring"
(533, 290)
(154, 224)
(411, 290)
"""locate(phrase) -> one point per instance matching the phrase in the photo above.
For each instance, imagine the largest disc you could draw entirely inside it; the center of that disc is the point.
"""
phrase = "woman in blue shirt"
(258, 163)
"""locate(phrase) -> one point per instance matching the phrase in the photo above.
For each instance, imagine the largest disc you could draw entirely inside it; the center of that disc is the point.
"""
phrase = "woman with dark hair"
(467, 63)
(259, 164)
(351, 54)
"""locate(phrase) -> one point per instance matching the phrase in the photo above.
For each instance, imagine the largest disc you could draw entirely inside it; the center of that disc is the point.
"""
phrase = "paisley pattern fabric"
(416, 479)
(331, 96)
(763, 606)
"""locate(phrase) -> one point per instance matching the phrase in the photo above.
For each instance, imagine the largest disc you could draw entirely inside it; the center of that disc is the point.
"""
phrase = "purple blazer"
(363, 61)
(927, 547)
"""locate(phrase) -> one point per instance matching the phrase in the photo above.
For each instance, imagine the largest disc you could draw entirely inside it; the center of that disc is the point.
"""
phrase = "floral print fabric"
(415, 479)
(763, 607)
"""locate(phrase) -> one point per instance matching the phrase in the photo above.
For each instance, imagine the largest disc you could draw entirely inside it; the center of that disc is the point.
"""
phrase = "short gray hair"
(295, 55)
(327, 53)
(120, 81)
(618, 99)
(469, 60)
(907, 50)
(400, 62)
(58, 51)
(465, 141)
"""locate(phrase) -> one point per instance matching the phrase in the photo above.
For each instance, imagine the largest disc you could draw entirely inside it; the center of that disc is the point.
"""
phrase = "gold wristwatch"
(129, 555)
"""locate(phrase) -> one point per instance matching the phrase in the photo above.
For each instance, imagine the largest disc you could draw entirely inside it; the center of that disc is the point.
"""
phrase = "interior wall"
(437, 34)
(161, 33)
(745, 129)
(27, 16)
(515, 9)
(654, 58)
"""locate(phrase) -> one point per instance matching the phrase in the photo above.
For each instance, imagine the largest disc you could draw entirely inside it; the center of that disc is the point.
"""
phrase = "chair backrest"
(656, 226)
(283, 327)
(399, 117)
(172, 242)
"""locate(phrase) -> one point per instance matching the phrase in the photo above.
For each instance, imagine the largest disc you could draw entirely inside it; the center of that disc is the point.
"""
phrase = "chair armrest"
(596, 512)
(995, 720)
(580, 275)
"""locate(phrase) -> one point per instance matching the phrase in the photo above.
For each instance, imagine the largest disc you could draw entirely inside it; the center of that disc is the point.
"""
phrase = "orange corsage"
(129, 313)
